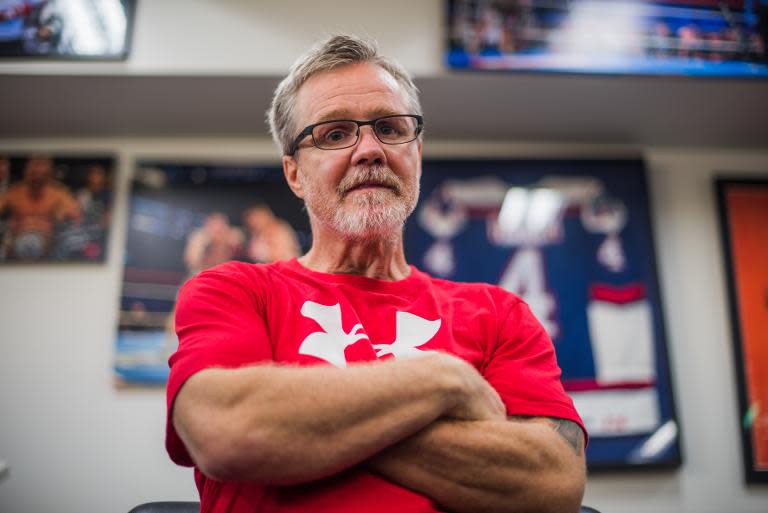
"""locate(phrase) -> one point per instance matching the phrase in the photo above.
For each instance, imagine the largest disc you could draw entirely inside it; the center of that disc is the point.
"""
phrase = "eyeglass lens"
(342, 134)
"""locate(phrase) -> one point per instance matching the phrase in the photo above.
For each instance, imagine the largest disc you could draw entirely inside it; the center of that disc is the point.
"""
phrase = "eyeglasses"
(338, 134)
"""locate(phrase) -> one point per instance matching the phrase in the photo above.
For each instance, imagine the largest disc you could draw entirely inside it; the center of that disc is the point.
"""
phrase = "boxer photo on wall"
(55, 208)
(183, 219)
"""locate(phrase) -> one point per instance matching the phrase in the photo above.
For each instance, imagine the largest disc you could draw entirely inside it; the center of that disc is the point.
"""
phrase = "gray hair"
(336, 51)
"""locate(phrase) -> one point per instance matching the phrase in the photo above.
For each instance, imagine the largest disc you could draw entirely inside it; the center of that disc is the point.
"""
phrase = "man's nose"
(369, 150)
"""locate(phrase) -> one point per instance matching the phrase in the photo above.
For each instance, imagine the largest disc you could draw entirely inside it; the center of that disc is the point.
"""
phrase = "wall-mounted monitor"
(684, 37)
(66, 29)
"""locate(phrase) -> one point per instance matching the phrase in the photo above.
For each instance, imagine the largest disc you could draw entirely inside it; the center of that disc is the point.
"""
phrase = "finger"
(497, 402)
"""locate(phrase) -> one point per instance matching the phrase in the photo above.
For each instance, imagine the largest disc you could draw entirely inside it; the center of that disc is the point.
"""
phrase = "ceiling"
(644, 111)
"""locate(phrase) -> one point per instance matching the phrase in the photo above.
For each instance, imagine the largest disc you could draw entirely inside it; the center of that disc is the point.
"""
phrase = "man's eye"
(335, 135)
(390, 129)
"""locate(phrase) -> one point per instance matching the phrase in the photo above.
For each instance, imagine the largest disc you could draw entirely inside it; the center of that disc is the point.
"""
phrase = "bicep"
(196, 400)
(196, 409)
(219, 328)
(570, 432)
(205, 413)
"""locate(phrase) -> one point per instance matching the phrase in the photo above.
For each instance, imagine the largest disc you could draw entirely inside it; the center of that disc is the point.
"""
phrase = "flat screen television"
(644, 37)
(66, 29)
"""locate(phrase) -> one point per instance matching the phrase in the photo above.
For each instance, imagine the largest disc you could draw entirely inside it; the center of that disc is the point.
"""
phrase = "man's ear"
(291, 172)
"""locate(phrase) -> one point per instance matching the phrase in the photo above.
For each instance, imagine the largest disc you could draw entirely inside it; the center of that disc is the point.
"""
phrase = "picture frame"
(743, 212)
(572, 238)
(55, 208)
(185, 217)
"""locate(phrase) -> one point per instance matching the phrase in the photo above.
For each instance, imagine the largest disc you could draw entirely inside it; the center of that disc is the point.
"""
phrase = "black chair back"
(167, 507)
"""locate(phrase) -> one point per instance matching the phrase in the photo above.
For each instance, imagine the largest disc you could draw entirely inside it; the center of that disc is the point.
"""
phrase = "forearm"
(491, 466)
(281, 424)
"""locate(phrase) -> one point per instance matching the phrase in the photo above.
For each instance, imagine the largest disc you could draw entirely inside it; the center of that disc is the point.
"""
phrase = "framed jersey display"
(573, 239)
(649, 37)
(184, 219)
(743, 214)
(55, 208)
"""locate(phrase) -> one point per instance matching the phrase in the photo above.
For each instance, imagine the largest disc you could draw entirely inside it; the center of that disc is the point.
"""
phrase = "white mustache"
(374, 175)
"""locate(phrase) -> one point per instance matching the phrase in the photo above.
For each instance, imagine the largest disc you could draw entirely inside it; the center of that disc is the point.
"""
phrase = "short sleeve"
(219, 323)
(523, 367)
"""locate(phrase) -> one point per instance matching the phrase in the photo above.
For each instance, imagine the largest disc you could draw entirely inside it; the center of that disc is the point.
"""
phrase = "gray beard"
(370, 215)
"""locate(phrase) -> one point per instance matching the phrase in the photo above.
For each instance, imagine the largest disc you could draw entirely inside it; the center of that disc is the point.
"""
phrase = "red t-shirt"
(239, 314)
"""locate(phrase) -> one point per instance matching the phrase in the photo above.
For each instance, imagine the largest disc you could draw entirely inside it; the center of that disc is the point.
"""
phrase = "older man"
(347, 380)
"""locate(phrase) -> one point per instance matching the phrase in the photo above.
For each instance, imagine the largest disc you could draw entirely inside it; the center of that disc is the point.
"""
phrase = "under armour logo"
(330, 343)
(411, 332)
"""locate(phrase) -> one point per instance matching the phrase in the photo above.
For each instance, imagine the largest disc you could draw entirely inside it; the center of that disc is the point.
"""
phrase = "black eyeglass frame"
(309, 129)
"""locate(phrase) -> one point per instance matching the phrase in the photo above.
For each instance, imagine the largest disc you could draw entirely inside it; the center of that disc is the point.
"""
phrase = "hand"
(476, 398)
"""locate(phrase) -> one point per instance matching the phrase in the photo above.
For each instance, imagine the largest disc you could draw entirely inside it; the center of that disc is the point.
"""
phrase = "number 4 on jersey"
(524, 276)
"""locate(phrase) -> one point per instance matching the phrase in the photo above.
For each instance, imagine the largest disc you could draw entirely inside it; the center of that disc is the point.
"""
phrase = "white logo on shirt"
(411, 332)
(330, 343)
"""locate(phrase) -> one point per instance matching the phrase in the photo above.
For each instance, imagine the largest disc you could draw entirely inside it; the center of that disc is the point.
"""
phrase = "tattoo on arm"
(570, 431)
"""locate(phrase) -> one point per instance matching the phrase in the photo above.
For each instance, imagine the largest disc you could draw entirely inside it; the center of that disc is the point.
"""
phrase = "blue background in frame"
(570, 267)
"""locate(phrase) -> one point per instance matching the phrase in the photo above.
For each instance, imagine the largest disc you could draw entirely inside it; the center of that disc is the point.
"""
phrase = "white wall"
(75, 443)
(245, 37)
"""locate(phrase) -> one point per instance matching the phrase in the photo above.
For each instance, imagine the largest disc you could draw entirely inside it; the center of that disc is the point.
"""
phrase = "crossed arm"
(431, 424)
(523, 464)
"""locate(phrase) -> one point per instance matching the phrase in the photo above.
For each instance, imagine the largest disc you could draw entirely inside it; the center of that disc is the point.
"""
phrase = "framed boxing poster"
(743, 214)
(573, 239)
(55, 208)
(184, 218)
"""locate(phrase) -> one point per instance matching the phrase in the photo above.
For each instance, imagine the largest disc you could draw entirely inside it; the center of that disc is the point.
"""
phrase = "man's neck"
(380, 258)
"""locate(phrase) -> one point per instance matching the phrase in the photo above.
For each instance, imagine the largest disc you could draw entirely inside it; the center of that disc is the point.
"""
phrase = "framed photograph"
(55, 208)
(743, 214)
(648, 37)
(184, 218)
(573, 239)
(66, 29)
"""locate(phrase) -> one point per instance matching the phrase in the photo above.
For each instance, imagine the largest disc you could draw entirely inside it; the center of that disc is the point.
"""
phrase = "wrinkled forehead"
(353, 91)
